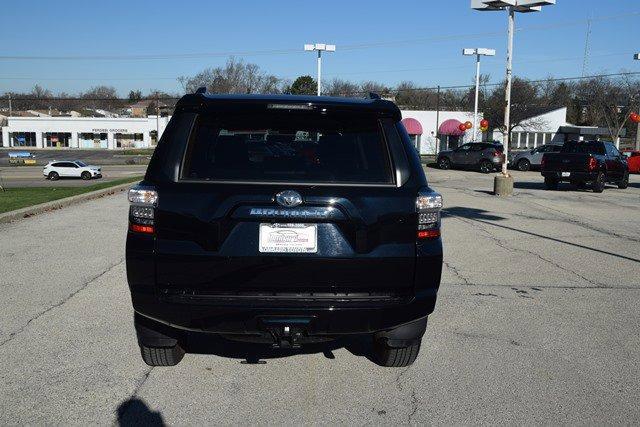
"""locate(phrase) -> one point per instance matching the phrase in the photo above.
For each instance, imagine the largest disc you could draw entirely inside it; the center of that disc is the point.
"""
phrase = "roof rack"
(373, 95)
(201, 90)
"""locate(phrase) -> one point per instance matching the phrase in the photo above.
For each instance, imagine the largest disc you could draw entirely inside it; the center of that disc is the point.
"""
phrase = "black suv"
(284, 220)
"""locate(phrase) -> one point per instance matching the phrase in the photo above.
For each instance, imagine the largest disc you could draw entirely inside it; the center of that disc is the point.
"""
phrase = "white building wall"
(528, 133)
(78, 125)
(428, 121)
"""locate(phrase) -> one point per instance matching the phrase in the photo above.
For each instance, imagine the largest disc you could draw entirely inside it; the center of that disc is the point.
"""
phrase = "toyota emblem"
(289, 198)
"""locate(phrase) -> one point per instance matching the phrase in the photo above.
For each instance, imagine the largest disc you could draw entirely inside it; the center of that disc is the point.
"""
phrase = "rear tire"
(486, 166)
(85, 175)
(161, 356)
(54, 176)
(444, 163)
(598, 183)
(395, 357)
(625, 181)
(551, 183)
(524, 165)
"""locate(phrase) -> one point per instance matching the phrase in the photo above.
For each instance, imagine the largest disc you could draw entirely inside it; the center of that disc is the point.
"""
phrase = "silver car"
(525, 160)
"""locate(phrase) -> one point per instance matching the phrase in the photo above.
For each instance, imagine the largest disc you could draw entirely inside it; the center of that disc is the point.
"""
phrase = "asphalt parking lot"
(537, 322)
(31, 176)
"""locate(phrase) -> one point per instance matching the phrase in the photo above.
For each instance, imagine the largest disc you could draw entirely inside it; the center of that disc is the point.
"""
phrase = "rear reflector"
(137, 228)
(428, 234)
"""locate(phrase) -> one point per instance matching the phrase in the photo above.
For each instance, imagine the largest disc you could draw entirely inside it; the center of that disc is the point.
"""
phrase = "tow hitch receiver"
(285, 337)
(286, 333)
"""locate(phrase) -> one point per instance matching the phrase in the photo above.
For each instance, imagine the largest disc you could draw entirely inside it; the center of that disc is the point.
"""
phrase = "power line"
(347, 47)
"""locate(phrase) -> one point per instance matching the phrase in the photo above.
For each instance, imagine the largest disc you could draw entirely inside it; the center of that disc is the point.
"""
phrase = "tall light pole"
(637, 58)
(478, 52)
(504, 185)
(320, 47)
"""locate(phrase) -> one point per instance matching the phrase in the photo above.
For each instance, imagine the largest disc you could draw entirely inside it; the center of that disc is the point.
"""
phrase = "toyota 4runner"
(284, 220)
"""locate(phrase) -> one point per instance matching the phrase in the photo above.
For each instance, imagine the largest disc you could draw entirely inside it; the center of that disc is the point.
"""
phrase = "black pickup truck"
(592, 163)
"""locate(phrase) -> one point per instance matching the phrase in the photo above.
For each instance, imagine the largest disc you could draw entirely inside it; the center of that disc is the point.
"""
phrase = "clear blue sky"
(429, 39)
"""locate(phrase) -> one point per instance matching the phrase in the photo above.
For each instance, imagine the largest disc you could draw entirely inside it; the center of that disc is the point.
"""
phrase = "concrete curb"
(62, 203)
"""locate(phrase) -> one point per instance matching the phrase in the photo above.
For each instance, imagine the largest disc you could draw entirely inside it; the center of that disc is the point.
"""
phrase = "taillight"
(428, 206)
(593, 164)
(143, 201)
(496, 153)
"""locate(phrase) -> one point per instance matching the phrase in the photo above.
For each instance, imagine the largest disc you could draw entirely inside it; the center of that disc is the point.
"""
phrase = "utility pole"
(10, 108)
(437, 120)
(320, 47)
(587, 48)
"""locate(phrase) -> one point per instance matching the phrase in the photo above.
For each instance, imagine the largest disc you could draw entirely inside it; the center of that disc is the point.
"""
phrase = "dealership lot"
(537, 322)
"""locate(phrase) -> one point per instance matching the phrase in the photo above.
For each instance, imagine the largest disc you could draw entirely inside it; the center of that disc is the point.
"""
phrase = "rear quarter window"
(287, 147)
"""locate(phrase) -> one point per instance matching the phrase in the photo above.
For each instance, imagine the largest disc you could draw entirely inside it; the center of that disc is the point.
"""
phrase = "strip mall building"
(82, 132)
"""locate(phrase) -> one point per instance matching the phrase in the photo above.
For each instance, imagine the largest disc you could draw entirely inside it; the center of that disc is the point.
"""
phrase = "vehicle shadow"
(481, 217)
(135, 412)
(470, 213)
(258, 353)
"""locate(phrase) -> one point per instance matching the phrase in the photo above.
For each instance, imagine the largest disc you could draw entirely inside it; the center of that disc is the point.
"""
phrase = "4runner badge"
(289, 198)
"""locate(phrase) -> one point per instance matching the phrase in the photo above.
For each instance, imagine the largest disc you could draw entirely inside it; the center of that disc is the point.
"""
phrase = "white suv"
(70, 169)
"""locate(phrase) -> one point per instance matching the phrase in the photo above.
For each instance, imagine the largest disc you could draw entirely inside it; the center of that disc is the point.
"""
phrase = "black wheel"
(551, 183)
(444, 163)
(625, 181)
(162, 356)
(598, 183)
(54, 176)
(85, 175)
(524, 165)
(395, 357)
(486, 166)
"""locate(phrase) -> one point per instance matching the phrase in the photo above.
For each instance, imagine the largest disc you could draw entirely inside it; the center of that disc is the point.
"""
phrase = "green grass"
(18, 198)
(138, 151)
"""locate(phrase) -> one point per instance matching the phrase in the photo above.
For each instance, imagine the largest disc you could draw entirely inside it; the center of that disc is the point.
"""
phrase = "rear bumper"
(573, 176)
(249, 317)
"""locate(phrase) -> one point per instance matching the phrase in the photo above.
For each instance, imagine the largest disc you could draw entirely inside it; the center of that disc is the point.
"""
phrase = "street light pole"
(503, 184)
(320, 47)
(507, 107)
(319, 72)
(477, 53)
(637, 58)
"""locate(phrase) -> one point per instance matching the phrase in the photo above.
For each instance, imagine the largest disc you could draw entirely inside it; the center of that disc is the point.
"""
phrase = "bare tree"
(234, 77)
(608, 102)
(339, 87)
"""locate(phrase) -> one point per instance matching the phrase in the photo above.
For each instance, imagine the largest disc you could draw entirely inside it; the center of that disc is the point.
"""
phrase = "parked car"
(593, 163)
(526, 160)
(633, 160)
(483, 156)
(71, 169)
(335, 233)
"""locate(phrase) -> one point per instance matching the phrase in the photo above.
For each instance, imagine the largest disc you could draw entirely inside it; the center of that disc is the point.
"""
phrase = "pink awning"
(412, 126)
(451, 127)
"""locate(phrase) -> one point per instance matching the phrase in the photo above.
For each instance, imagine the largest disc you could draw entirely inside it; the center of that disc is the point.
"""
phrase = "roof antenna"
(373, 95)
(201, 90)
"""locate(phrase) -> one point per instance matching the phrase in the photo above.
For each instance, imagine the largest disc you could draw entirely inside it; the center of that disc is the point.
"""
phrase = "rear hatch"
(288, 201)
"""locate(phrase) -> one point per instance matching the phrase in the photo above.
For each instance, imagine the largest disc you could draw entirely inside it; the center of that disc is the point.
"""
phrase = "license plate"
(565, 174)
(288, 238)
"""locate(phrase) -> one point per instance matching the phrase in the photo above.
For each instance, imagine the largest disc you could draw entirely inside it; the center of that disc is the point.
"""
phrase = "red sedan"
(633, 159)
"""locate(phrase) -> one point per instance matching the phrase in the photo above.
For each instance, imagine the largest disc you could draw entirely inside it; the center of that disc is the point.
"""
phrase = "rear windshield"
(287, 147)
(583, 147)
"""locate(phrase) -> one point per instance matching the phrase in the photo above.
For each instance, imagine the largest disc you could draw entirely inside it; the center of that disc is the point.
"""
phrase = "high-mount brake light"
(428, 206)
(143, 200)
